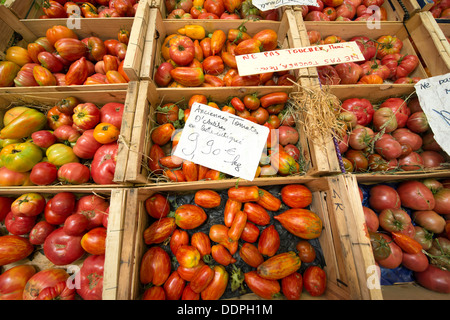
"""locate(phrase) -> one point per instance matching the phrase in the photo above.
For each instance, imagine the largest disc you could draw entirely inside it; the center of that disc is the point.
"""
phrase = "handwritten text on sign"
(265, 5)
(222, 141)
(288, 59)
(434, 98)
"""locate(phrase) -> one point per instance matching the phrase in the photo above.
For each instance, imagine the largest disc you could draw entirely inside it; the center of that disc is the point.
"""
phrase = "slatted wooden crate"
(31, 29)
(409, 290)
(116, 218)
(429, 38)
(45, 100)
(345, 246)
(319, 157)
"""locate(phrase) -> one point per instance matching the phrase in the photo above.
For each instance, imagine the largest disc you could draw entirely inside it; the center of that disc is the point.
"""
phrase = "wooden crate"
(345, 246)
(46, 100)
(288, 36)
(31, 29)
(319, 156)
(116, 218)
(404, 290)
(376, 96)
(431, 42)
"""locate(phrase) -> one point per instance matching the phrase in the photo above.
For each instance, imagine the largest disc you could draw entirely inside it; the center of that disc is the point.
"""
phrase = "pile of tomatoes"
(345, 10)
(394, 135)
(244, 237)
(193, 58)
(62, 59)
(74, 142)
(282, 157)
(409, 227)
(383, 61)
(61, 9)
(67, 228)
(441, 9)
(218, 9)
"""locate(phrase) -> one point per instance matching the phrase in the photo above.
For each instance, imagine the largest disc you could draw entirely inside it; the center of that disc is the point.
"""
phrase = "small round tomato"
(94, 241)
(106, 133)
(296, 196)
(306, 251)
(157, 206)
(251, 101)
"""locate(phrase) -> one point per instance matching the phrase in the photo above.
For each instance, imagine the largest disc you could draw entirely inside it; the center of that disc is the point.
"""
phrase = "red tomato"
(159, 230)
(306, 251)
(292, 285)
(13, 281)
(43, 279)
(5, 206)
(75, 224)
(86, 145)
(19, 225)
(415, 195)
(202, 242)
(112, 113)
(157, 206)
(296, 196)
(61, 248)
(40, 232)
(92, 207)
(395, 258)
(301, 222)
(91, 274)
(265, 288)
(155, 266)
(349, 72)
(315, 281)
(74, 173)
(389, 44)
(434, 278)
(60, 291)
(103, 165)
(383, 197)
(269, 241)
(174, 286)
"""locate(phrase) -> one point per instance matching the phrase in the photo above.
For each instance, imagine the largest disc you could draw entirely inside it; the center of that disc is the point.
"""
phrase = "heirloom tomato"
(23, 124)
(71, 49)
(112, 113)
(174, 286)
(296, 196)
(74, 173)
(94, 241)
(181, 50)
(207, 198)
(106, 133)
(86, 116)
(12, 178)
(221, 255)
(269, 241)
(395, 257)
(179, 237)
(103, 165)
(55, 118)
(8, 71)
(265, 288)
(13, 281)
(43, 76)
(20, 157)
(155, 266)
(60, 291)
(18, 55)
(157, 206)
(28, 204)
(40, 232)
(14, 248)
(91, 274)
(59, 154)
(92, 207)
(61, 248)
(201, 241)
(388, 45)
(76, 224)
(159, 230)
(96, 48)
(349, 72)
(301, 222)
(217, 286)
(279, 266)
(43, 279)
(256, 213)
(189, 216)
(86, 145)
(19, 225)
(315, 280)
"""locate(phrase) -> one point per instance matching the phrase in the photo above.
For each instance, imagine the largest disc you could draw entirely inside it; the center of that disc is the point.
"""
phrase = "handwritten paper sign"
(434, 98)
(296, 58)
(222, 141)
(265, 5)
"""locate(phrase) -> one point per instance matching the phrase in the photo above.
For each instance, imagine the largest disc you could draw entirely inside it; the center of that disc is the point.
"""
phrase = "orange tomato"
(106, 133)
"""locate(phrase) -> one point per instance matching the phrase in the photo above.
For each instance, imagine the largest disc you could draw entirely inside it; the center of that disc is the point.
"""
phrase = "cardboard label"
(222, 141)
(296, 58)
(265, 5)
(434, 98)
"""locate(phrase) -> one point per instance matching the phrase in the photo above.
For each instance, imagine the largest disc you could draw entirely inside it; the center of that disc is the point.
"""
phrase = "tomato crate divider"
(127, 97)
(117, 211)
(104, 28)
(317, 159)
(345, 246)
(404, 290)
(288, 36)
(430, 42)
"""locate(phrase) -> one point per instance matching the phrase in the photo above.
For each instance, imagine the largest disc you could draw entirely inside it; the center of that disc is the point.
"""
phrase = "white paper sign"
(265, 5)
(296, 58)
(434, 98)
(222, 141)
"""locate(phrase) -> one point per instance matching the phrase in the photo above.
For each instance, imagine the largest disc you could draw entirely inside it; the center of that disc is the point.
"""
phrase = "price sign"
(222, 141)
(296, 58)
(434, 98)
(265, 5)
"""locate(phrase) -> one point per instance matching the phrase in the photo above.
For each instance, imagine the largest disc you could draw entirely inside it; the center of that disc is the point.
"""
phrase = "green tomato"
(60, 154)
(20, 157)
